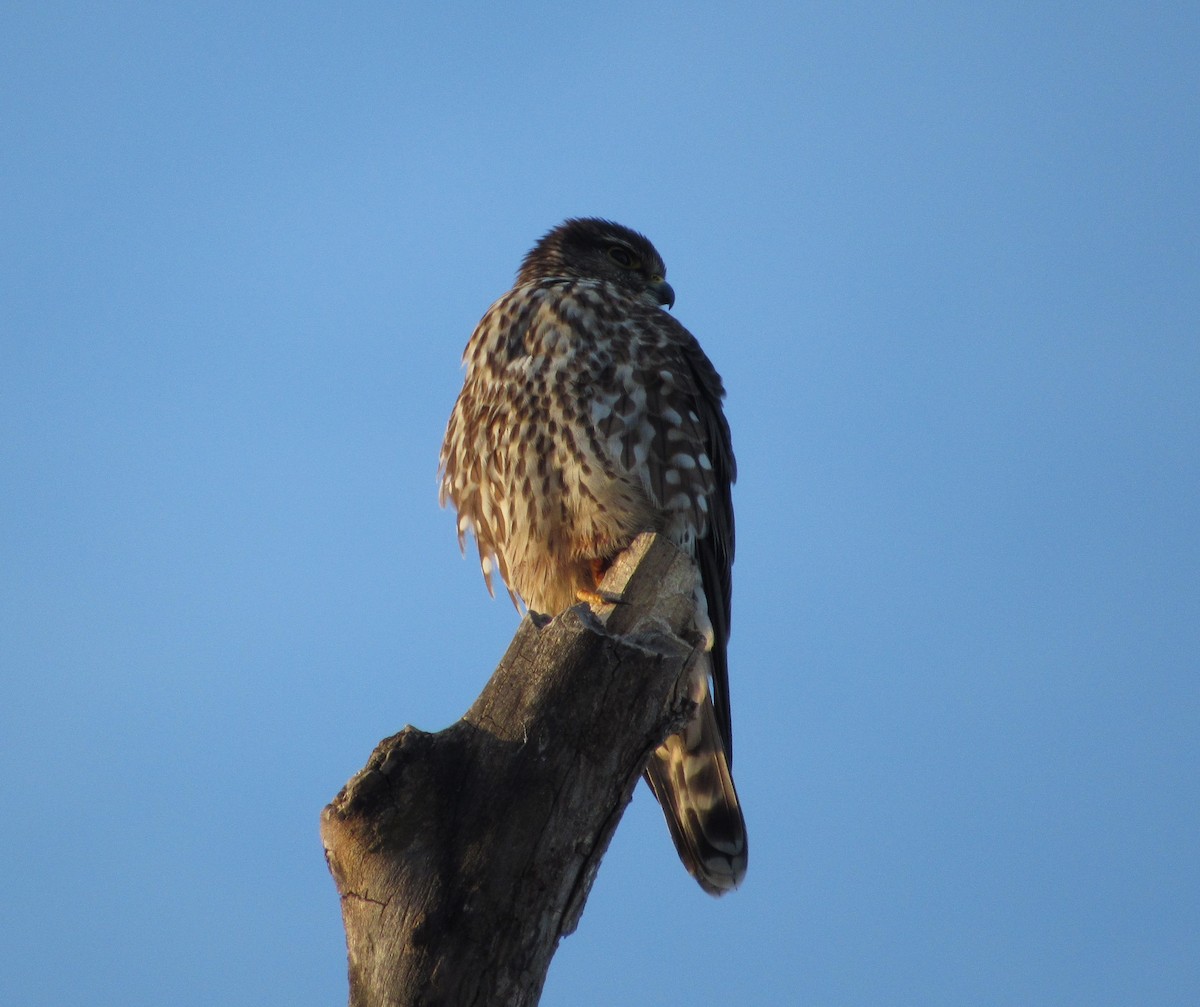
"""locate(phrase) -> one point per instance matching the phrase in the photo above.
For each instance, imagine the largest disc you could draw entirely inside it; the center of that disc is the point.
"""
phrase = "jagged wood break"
(462, 857)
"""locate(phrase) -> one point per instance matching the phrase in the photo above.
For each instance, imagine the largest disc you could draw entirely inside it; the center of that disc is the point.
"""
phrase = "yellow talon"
(598, 597)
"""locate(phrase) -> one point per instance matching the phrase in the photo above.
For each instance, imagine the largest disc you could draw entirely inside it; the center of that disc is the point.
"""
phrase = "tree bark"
(462, 857)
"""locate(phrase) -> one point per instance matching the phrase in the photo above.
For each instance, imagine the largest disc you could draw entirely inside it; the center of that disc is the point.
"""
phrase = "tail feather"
(689, 774)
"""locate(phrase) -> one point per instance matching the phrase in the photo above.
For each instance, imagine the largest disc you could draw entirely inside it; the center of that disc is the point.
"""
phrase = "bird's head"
(588, 248)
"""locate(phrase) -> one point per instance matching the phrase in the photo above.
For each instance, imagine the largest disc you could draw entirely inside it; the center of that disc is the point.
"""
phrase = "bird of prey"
(589, 415)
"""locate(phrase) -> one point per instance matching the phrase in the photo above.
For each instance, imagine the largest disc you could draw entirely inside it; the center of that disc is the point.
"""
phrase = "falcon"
(587, 416)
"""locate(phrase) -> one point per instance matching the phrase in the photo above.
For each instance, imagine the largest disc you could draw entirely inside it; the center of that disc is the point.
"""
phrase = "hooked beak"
(663, 293)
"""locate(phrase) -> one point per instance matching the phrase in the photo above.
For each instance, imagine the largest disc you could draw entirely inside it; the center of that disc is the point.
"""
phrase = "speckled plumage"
(588, 415)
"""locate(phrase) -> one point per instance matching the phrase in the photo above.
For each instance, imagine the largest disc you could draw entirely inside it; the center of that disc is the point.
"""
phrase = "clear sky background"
(947, 258)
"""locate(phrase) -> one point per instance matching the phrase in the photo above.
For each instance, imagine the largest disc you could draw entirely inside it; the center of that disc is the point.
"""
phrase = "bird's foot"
(594, 596)
(599, 597)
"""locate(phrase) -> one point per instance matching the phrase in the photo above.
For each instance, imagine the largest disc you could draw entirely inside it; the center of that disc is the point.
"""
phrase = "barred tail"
(689, 774)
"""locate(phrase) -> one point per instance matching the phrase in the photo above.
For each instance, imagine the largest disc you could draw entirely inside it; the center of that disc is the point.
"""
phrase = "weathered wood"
(462, 857)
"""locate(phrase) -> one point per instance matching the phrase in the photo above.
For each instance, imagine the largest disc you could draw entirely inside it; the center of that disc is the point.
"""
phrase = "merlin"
(589, 415)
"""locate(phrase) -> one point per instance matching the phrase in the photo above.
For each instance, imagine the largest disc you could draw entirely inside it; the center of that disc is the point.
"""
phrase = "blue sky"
(947, 258)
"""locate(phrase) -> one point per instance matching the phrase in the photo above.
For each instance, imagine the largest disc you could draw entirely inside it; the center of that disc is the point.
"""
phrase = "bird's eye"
(623, 257)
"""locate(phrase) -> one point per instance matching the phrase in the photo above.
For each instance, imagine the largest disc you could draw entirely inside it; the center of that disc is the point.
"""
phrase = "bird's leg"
(593, 595)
